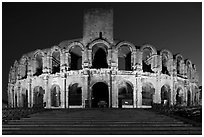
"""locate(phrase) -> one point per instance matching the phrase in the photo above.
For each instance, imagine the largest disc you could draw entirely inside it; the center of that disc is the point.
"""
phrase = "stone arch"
(38, 62)
(99, 95)
(148, 53)
(98, 41)
(179, 61)
(75, 94)
(166, 57)
(130, 45)
(179, 96)
(55, 96)
(148, 91)
(75, 57)
(24, 95)
(71, 45)
(125, 94)
(188, 68)
(150, 47)
(56, 59)
(125, 55)
(38, 95)
(165, 95)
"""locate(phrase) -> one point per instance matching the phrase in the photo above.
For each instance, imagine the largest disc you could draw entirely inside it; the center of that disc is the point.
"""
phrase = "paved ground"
(99, 121)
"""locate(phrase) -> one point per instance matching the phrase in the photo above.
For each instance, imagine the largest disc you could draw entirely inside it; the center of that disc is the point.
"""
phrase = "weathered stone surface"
(45, 77)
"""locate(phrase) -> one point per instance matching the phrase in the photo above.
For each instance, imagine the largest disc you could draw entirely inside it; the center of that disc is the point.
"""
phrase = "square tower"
(98, 23)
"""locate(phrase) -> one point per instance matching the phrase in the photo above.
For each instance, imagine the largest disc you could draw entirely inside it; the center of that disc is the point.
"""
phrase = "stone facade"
(97, 69)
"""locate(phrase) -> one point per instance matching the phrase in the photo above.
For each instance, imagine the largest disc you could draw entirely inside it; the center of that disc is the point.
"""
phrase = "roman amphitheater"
(95, 69)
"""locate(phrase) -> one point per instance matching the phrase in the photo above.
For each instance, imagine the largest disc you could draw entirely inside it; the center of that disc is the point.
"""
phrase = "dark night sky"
(30, 26)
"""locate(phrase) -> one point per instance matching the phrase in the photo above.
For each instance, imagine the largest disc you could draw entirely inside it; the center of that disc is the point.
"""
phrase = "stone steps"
(98, 122)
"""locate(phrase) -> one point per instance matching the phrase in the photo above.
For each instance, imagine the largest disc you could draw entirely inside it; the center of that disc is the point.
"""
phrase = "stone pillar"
(138, 61)
(67, 94)
(84, 90)
(134, 95)
(90, 57)
(114, 92)
(69, 61)
(157, 95)
(62, 93)
(46, 97)
(134, 60)
(109, 57)
(29, 92)
(49, 62)
(139, 91)
(47, 93)
(18, 97)
(13, 96)
(110, 96)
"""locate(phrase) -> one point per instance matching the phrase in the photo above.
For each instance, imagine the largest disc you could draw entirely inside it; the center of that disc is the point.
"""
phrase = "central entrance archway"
(100, 95)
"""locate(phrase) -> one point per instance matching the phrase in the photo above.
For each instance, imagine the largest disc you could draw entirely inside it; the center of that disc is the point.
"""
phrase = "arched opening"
(24, 68)
(165, 64)
(165, 95)
(39, 65)
(178, 64)
(188, 98)
(124, 58)
(38, 94)
(75, 95)
(147, 94)
(100, 95)
(125, 95)
(25, 98)
(55, 96)
(55, 62)
(76, 58)
(99, 56)
(146, 60)
(179, 96)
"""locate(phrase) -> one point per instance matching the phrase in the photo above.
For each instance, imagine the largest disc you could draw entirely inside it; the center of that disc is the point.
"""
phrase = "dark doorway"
(55, 96)
(25, 98)
(147, 94)
(125, 95)
(100, 95)
(38, 97)
(165, 95)
(75, 95)
(99, 60)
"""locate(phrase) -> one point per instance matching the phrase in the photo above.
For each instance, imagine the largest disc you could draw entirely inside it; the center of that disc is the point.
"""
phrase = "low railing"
(18, 113)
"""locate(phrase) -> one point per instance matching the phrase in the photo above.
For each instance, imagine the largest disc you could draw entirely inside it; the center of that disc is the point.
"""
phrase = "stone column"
(69, 61)
(45, 98)
(29, 92)
(134, 95)
(157, 95)
(109, 58)
(62, 92)
(139, 91)
(114, 92)
(90, 57)
(84, 90)
(67, 94)
(18, 97)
